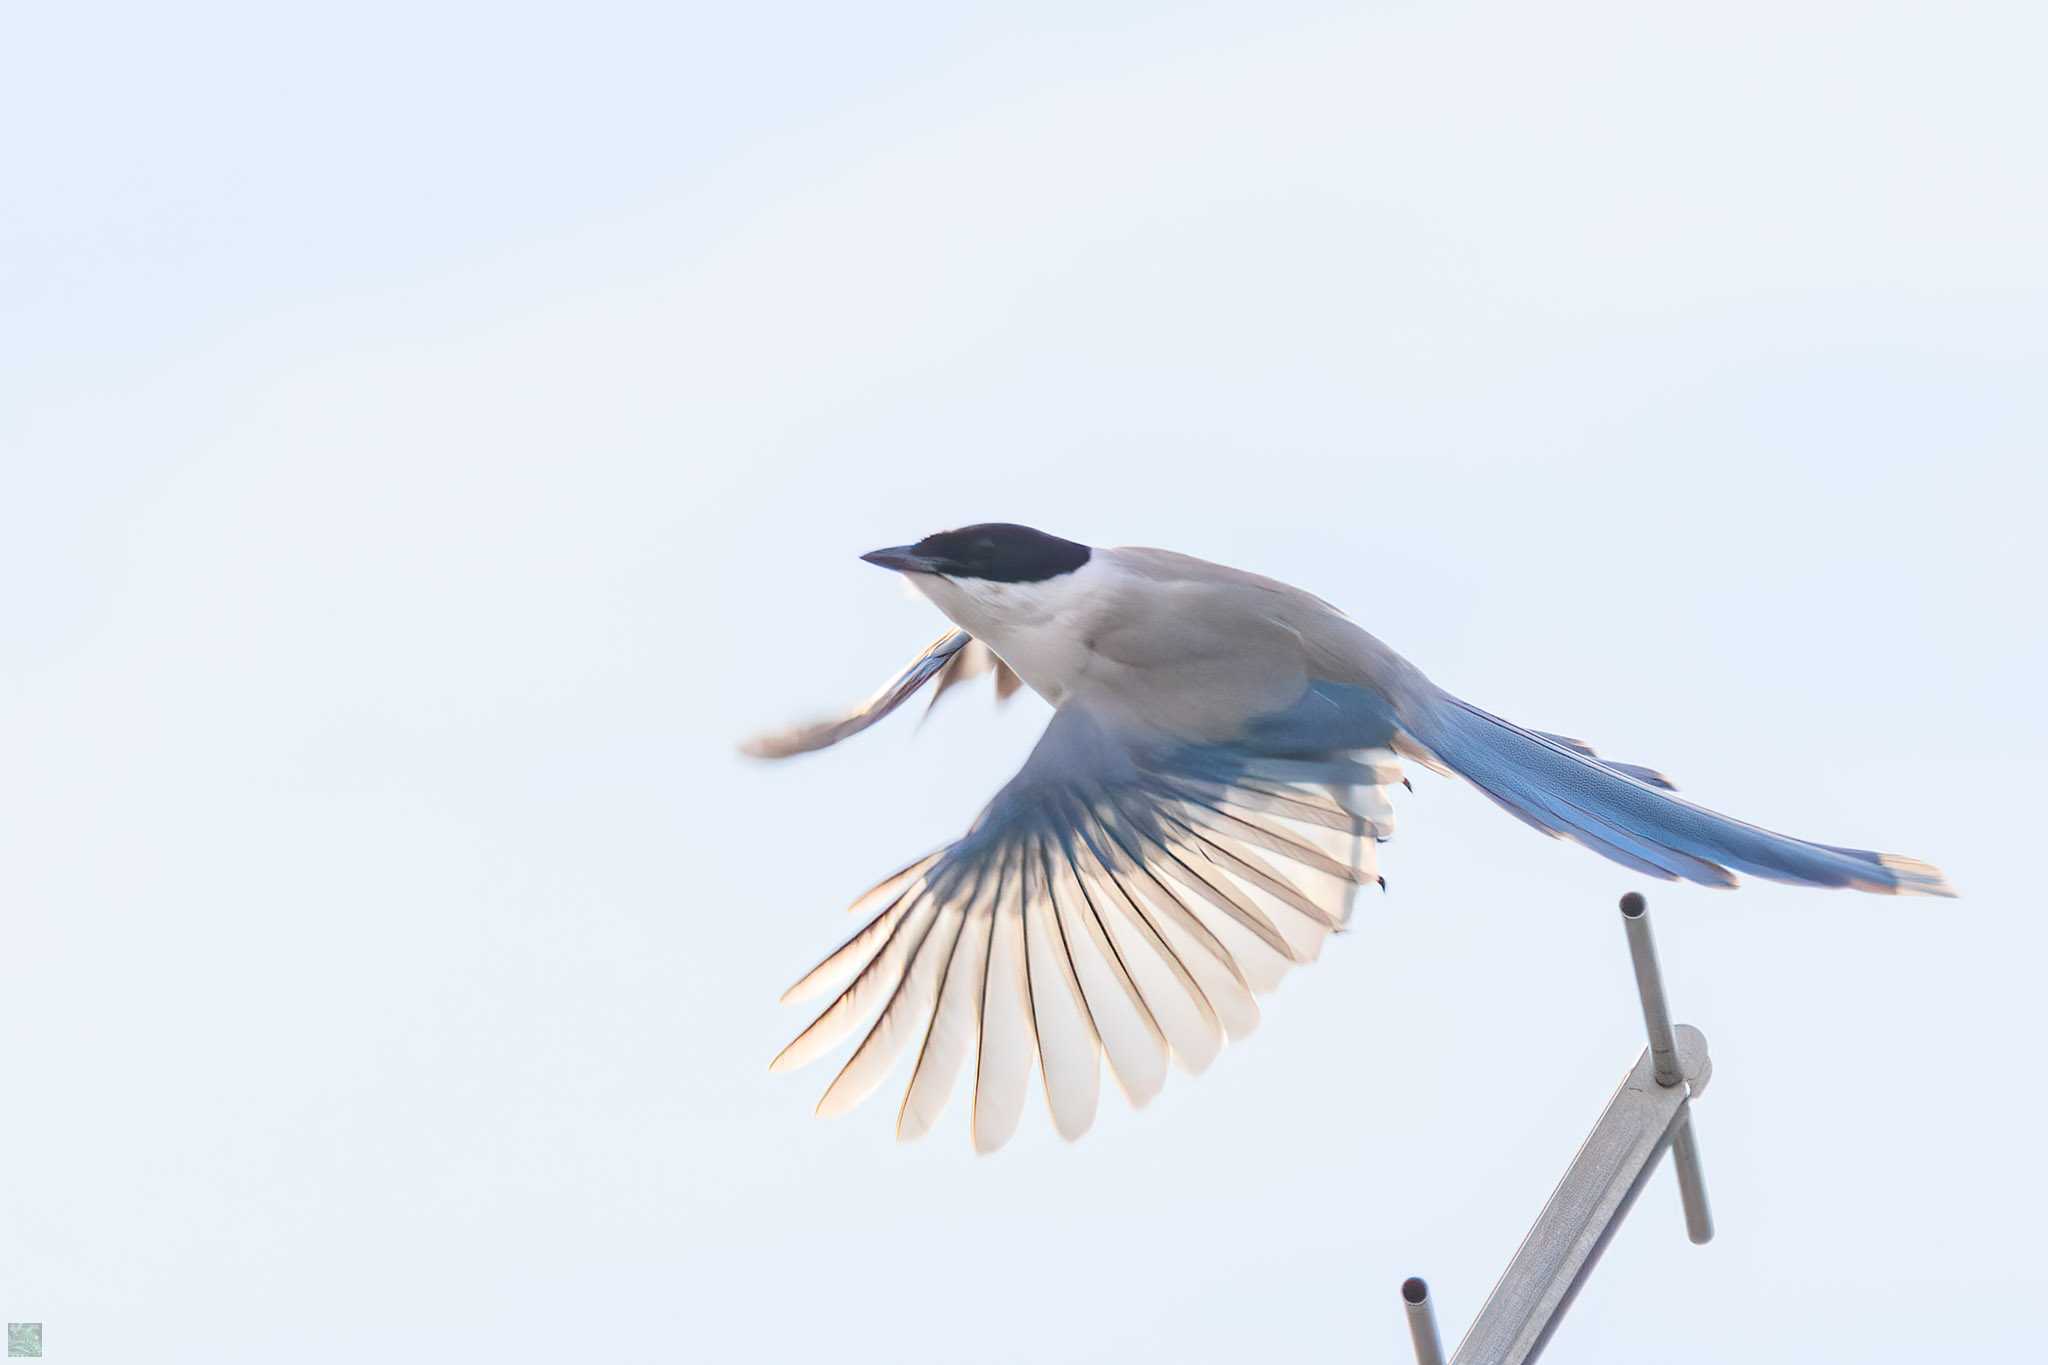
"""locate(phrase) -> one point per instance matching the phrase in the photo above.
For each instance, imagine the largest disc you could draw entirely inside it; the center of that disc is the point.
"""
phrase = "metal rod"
(1642, 949)
(1608, 1173)
(1685, 1148)
(1429, 1347)
(1651, 1112)
(1692, 1182)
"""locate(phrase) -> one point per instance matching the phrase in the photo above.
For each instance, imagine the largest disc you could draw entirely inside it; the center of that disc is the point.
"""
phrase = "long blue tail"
(1563, 789)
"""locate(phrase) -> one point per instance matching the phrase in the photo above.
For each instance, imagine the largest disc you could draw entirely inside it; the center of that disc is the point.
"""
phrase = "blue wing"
(1122, 896)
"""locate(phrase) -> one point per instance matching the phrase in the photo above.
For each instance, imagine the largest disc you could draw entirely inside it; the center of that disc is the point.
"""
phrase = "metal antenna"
(1429, 1347)
(1650, 1112)
(1685, 1148)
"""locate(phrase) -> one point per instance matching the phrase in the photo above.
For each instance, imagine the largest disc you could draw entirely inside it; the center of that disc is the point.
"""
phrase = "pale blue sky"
(432, 438)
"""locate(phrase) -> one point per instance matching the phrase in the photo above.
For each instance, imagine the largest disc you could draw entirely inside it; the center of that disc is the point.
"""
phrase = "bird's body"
(1169, 642)
(1209, 791)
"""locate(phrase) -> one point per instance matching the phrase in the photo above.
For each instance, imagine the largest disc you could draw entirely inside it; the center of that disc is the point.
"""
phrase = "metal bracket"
(1651, 1111)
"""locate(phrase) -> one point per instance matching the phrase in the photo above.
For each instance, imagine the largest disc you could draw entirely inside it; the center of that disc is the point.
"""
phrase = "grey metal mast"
(1651, 1111)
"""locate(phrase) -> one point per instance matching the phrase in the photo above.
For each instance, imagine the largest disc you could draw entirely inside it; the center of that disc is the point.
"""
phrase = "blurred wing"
(971, 661)
(1117, 898)
(952, 658)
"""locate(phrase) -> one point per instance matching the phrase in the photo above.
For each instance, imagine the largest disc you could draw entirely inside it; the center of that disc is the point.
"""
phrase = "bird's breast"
(1049, 661)
(1042, 631)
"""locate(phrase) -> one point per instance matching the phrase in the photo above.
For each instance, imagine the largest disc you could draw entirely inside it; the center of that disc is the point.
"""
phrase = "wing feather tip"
(1142, 1092)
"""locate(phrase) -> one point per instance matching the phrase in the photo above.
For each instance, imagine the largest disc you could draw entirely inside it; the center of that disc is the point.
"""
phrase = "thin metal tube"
(1429, 1347)
(1642, 949)
(1685, 1148)
(1610, 1170)
(1692, 1182)
(1650, 1113)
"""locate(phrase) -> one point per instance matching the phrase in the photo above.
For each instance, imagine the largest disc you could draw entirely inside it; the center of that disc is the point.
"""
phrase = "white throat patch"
(1039, 629)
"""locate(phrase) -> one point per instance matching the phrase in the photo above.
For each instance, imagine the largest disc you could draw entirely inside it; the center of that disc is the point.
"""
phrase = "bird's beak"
(902, 558)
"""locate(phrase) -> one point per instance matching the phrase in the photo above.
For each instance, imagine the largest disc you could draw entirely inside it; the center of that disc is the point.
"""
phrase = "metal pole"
(1652, 1111)
(1692, 1182)
(1587, 1206)
(1685, 1149)
(1642, 949)
(1429, 1347)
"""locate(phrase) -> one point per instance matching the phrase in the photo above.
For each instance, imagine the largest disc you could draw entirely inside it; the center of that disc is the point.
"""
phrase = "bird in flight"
(1203, 805)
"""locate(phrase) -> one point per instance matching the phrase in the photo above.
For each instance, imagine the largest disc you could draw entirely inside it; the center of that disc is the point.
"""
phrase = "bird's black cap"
(995, 551)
